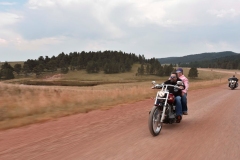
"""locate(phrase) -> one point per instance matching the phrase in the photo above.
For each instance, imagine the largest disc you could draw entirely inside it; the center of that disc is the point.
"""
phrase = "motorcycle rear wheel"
(154, 119)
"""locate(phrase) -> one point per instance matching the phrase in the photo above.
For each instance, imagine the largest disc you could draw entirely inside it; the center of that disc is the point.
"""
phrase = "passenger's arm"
(185, 81)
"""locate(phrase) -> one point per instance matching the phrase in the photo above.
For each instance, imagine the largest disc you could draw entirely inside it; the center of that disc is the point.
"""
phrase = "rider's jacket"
(174, 91)
(185, 81)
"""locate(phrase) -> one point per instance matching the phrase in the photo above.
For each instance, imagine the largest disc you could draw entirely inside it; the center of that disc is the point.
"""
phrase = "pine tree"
(17, 68)
(147, 69)
(193, 72)
(6, 71)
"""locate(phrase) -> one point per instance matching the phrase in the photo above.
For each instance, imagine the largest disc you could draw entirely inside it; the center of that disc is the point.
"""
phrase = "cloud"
(222, 45)
(8, 19)
(7, 3)
(35, 4)
(7, 24)
(225, 13)
(68, 18)
(37, 44)
(3, 42)
(155, 28)
(139, 11)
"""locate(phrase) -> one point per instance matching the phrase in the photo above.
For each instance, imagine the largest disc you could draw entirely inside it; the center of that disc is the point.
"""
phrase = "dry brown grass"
(30, 104)
(22, 104)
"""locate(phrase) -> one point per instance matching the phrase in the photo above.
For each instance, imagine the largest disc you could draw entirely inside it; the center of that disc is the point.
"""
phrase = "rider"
(177, 93)
(179, 71)
(233, 78)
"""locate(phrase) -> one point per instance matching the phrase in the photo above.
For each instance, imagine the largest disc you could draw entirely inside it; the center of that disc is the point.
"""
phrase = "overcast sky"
(154, 28)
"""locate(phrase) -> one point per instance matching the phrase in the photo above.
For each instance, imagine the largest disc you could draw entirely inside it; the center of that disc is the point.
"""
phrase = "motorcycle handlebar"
(159, 86)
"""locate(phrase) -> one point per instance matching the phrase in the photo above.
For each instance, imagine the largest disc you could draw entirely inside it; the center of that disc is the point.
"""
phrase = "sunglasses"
(173, 77)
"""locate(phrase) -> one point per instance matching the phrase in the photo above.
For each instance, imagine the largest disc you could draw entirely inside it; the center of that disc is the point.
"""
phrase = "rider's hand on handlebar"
(181, 87)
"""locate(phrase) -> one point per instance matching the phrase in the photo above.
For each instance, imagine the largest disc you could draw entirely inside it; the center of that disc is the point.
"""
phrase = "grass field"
(26, 104)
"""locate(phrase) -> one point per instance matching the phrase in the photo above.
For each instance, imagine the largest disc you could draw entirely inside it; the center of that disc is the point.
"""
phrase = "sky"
(153, 28)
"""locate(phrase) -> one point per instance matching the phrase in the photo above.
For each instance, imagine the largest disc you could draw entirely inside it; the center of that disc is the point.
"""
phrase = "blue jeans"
(184, 102)
(178, 105)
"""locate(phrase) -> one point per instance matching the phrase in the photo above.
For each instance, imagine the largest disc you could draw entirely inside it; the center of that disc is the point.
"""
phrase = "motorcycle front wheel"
(154, 119)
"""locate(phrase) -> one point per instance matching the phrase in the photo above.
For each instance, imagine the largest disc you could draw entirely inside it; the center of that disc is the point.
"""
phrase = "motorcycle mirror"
(179, 83)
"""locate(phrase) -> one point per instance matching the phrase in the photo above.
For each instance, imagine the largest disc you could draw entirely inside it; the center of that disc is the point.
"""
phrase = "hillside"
(227, 62)
(196, 57)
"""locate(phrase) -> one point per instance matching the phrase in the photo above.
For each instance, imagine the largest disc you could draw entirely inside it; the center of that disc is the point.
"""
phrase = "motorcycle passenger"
(184, 79)
(177, 93)
(233, 78)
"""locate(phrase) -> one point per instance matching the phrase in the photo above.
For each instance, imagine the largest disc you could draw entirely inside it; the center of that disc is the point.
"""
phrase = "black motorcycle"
(163, 110)
(232, 84)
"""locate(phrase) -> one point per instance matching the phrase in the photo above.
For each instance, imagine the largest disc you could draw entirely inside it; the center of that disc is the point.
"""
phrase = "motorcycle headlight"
(161, 94)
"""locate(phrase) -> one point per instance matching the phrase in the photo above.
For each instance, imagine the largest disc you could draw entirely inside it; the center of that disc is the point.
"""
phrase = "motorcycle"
(233, 84)
(163, 110)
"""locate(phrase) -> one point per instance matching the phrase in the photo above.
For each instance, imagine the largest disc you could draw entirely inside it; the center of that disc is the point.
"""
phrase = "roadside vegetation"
(48, 88)
(26, 104)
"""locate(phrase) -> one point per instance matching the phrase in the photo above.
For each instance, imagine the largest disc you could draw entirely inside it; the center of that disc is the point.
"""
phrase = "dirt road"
(210, 131)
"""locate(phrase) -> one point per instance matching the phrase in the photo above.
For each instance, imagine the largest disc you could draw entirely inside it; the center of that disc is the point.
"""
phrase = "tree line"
(153, 67)
(93, 62)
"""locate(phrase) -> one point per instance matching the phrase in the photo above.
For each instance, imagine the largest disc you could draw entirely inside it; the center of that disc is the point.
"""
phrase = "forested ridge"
(196, 57)
(228, 62)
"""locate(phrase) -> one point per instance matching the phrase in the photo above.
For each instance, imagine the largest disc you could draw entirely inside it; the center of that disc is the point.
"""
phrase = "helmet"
(179, 70)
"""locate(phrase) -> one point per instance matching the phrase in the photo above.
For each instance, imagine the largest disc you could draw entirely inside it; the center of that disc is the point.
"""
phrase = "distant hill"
(196, 57)
(227, 62)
